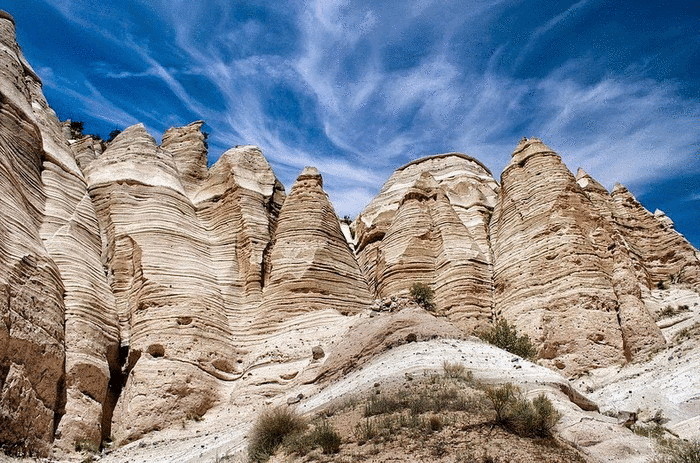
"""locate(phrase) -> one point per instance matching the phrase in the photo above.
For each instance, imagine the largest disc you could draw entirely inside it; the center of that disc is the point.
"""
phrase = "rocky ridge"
(142, 289)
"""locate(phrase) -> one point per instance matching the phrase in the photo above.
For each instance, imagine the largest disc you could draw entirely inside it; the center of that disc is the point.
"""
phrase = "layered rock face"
(560, 272)
(139, 287)
(311, 266)
(429, 224)
(661, 253)
(59, 331)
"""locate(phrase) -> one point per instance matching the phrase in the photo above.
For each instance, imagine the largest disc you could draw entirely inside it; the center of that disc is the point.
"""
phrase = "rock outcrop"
(429, 224)
(60, 324)
(663, 254)
(559, 273)
(140, 288)
(311, 266)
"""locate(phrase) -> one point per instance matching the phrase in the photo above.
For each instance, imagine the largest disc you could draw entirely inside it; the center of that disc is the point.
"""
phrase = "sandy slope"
(223, 431)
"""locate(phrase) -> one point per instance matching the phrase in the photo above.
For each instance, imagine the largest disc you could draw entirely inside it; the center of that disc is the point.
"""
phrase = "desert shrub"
(532, 418)
(687, 332)
(271, 429)
(501, 398)
(76, 129)
(669, 311)
(423, 295)
(504, 335)
(113, 134)
(435, 423)
(454, 370)
(678, 451)
(299, 443)
(650, 430)
(380, 404)
(327, 438)
(86, 445)
(365, 430)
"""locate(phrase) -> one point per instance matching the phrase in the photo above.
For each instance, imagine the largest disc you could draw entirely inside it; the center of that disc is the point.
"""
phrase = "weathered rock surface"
(429, 224)
(60, 329)
(662, 253)
(311, 266)
(140, 289)
(560, 274)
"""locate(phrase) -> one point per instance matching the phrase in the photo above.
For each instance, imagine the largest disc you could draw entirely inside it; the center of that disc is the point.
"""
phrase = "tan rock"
(429, 225)
(61, 266)
(664, 254)
(311, 266)
(188, 148)
(171, 310)
(639, 331)
(552, 263)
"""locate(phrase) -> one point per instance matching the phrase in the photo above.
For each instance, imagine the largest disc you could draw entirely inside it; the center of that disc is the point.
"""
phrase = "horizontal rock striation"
(663, 254)
(139, 287)
(311, 266)
(562, 273)
(63, 384)
(429, 224)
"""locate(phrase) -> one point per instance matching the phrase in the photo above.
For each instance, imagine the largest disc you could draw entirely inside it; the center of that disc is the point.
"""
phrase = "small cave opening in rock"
(156, 350)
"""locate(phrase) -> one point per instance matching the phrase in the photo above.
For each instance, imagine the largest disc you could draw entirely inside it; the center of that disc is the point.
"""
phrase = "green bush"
(365, 430)
(679, 451)
(113, 134)
(505, 336)
(423, 295)
(76, 129)
(531, 418)
(327, 438)
(501, 398)
(271, 429)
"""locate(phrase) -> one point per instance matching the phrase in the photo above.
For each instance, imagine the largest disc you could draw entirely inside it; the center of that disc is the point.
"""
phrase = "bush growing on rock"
(505, 336)
(423, 295)
(112, 135)
(326, 437)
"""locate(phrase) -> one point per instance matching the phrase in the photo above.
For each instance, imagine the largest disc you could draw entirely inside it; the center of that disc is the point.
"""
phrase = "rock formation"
(429, 224)
(140, 288)
(560, 274)
(311, 266)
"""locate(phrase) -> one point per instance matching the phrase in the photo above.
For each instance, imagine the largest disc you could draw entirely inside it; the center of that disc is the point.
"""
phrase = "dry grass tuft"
(270, 431)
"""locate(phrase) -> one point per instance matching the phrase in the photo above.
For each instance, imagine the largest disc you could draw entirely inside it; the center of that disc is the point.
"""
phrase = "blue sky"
(358, 88)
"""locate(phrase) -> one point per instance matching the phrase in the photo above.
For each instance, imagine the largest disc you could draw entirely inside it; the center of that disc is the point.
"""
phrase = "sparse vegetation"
(501, 397)
(531, 418)
(456, 370)
(651, 430)
(76, 129)
(670, 311)
(688, 332)
(113, 134)
(504, 335)
(270, 431)
(87, 446)
(326, 437)
(678, 451)
(429, 418)
(423, 295)
(365, 430)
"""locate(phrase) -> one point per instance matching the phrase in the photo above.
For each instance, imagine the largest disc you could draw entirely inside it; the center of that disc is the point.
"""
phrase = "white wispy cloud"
(374, 117)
